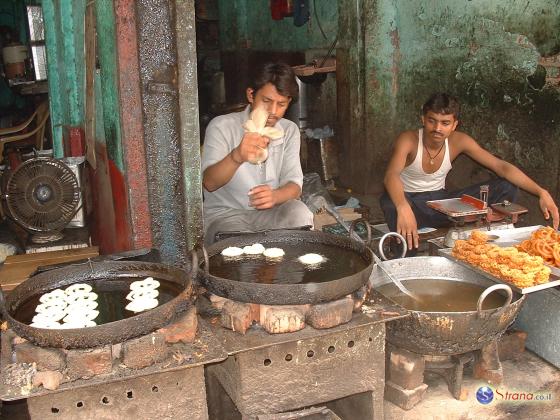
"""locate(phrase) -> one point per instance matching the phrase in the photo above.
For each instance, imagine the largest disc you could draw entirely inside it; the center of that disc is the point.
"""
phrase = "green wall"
(64, 30)
(248, 24)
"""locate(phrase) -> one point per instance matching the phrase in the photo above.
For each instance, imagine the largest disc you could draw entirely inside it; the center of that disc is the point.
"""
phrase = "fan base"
(45, 238)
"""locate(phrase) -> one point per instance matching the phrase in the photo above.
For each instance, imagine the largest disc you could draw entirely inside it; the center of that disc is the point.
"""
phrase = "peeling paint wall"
(247, 24)
(492, 55)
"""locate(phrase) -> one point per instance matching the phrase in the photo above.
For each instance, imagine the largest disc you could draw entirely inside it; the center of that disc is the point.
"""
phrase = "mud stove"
(342, 367)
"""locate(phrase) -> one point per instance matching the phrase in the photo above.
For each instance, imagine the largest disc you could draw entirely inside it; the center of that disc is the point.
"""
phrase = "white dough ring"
(82, 305)
(51, 306)
(78, 297)
(143, 293)
(148, 283)
(78, 317)
(140, 305)
(52, 316)
(57, 294)
(78, 288)
(47, 325)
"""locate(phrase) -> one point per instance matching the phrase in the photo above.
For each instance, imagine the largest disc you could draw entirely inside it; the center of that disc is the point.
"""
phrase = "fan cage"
(43, 195)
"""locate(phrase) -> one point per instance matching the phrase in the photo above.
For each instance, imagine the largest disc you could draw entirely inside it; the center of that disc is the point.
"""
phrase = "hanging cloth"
(301, 12)
(278, 9)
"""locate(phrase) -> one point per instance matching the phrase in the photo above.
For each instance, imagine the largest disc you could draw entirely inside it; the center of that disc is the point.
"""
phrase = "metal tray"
(509, 237)
(455, 207)
(553, 282)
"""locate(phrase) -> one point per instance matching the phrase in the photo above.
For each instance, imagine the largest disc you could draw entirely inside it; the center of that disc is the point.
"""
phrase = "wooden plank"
(17, 268)
(52, 255)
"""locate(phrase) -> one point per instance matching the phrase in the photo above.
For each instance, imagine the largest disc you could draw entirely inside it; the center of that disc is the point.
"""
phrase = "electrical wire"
(331, 48)
(318, 21)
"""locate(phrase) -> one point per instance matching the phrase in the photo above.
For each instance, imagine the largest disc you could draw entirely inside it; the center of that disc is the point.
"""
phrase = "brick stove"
(405, 372)
(156, 375)
(341, 365)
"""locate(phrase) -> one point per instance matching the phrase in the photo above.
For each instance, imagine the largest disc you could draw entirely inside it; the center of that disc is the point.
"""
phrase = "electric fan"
(42, 195)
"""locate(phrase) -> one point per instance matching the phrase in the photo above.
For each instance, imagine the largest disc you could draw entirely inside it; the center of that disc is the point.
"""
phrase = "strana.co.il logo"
(484, 395)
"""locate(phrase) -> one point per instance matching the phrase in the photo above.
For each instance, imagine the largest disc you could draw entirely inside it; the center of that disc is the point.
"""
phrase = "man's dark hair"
(442, 103)
(281, 75)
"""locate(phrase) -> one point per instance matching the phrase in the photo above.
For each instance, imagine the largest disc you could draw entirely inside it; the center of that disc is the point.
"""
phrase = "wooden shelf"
(310, 69)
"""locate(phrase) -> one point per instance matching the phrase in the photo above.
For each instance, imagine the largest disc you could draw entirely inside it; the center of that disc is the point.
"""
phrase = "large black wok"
(110, 272)
(294, 293)
(445, 333)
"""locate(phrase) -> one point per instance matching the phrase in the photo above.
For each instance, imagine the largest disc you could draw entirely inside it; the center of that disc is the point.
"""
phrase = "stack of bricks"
(55, 365)
(277, 319)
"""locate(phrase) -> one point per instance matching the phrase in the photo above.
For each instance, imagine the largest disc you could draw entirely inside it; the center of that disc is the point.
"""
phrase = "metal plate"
(512, 236)
(455, 207)
(555, 279)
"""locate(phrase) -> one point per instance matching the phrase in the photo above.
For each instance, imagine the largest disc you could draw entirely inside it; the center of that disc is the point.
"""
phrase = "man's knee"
(386, 203)
(505, 189)
(294, 213)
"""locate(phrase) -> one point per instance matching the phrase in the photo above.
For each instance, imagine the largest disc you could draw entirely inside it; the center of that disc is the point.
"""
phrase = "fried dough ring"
(479, 237)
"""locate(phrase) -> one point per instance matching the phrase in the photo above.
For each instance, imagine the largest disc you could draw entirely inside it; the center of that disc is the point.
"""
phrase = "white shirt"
(223, 134)
(414, 178)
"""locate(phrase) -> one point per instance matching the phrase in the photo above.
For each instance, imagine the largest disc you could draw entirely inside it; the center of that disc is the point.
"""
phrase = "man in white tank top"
(419, 165)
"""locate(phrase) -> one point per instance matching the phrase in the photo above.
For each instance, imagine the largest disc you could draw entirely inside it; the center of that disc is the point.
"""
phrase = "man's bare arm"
(220, 173)
(406, 221)
(513, 174)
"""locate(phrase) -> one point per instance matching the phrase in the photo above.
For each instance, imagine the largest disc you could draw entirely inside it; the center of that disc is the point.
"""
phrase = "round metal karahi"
(287, 294)
(42, 195)
(109, 333)
(445, 333)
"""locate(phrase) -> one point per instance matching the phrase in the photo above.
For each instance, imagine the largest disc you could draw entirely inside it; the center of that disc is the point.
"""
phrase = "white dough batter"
(232, 251)
(274, 252)
(254, 249)
(310, 259)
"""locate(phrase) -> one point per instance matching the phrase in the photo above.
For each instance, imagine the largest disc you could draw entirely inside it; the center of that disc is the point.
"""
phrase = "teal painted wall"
(64, 24)
(107, 55)
(247, 24)
(64, 35)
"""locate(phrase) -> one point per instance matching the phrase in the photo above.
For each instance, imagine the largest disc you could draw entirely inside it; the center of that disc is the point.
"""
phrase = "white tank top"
(414, 178)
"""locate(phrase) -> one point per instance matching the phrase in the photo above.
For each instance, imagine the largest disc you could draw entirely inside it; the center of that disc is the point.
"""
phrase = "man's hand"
(406, 225)
(262, 197)
(549, 208)
(250, 148)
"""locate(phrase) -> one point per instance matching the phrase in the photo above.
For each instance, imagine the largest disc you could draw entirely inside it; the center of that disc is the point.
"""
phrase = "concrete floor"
(529, 374)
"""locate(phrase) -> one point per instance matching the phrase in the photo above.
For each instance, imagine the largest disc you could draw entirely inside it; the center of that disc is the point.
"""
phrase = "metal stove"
(341, 367)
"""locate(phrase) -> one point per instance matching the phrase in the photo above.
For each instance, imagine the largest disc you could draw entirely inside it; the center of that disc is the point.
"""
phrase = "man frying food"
(421, 160)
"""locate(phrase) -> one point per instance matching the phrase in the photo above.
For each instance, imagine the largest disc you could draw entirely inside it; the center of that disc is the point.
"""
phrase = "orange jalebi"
(545, 243)
(514, 265)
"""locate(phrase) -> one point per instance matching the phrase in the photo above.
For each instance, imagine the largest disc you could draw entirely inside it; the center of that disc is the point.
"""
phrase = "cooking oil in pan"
(111, 299)
(436, 295)
(337, 263)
